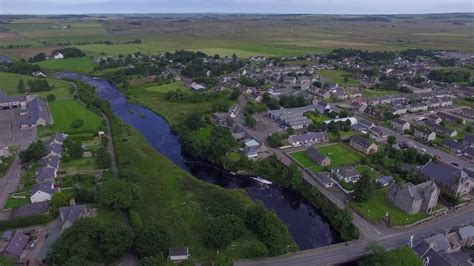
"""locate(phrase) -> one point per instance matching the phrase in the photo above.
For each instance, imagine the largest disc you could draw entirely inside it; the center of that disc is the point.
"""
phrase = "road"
(10, 182)
(343, 252)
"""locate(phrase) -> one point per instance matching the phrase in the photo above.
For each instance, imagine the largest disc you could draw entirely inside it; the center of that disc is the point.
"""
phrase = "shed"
(178, 254)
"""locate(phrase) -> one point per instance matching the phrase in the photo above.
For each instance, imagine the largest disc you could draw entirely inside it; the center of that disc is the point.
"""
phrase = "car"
(455, 164)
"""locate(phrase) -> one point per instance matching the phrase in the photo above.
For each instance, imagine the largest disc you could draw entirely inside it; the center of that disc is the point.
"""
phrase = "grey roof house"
(70, 214)
(414, 198)
(30, 210)
(448, 177)
(17, 244)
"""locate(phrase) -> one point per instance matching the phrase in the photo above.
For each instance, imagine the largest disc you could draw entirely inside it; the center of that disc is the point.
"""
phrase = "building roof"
(453, 144)
(30, 209)
(36, 110)
(384, 179)
(439, 242)
(17, 244)
(347, 171)
(72, 213)
(441, 172)
(308, 136)
(46, 187)
(251, 143)
(361, 141)
(314, 154)
(56, 148)
(53, 234)
(466, 232)
(52, 161)
(45, 174)
(178, 251)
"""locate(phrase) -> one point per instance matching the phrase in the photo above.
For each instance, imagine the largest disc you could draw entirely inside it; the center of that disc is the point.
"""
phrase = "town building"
(425, 134)
(347, 173)
(324, 178)
(43, 191)
(363, 145)
(384, 181)
(448, 177)
(317, 157)
(414, 198)
(400, 125)
(16, 245)
(70, 214)
(308, 138)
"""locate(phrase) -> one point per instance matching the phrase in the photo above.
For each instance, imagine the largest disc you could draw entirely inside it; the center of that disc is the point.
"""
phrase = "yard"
(19, 199)
(167, 87)
(339, 154)
(82, 64)
(66, 111)
(341, 77)
(81, 165)
(378, 206)
(376, 93)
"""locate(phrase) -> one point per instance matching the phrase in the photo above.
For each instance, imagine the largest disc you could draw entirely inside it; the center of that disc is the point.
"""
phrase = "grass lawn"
(167, 87)
(82, 64)
(377, 93)
(66, 111)
(317, 118)
(84, 181)
(338, 153)
(337, 76)
(79, 165)
(378, 206)
(9, 83)
(15, 202)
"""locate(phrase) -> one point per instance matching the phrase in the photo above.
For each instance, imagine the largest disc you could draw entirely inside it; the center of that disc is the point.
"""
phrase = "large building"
(448, 177)
(308, 138)
(414, 198)
(292, 117)
(363, 145)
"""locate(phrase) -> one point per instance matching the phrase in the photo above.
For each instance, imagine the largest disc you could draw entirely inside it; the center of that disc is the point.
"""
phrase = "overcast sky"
(235, 6)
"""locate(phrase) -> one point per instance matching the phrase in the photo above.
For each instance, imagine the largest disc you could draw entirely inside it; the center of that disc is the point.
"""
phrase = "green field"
(338, 153)
(167, 87)
(82, 65)
(81, 165)
(15, 202)
(337, 76)
(66, 111)
(376, 93)
(378, 206)
(9, 83)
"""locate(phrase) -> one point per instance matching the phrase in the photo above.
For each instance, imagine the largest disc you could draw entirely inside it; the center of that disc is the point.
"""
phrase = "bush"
(26, 221)
(51, 97)
(223, 230)
(77, 123)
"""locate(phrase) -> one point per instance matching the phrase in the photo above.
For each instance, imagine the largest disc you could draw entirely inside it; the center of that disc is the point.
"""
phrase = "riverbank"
(183, 207)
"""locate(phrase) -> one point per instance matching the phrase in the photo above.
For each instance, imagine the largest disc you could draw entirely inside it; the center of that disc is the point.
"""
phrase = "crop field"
(82, 65)
(9, 83)
(338, 153)
(245, 35)
(66, 111)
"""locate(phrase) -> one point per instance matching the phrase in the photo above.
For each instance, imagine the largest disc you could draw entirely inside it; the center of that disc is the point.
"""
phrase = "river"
(308, 227)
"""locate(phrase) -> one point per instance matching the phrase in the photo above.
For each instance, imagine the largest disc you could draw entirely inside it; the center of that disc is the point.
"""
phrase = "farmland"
(246, 35)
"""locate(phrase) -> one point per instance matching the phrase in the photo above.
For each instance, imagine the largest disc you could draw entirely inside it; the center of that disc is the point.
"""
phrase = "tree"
(103, 158)
(234, 94)
(364, 188)
(250, 121)
(152, 241)
(295, 175)
(21, 86)
(78, 123)
(397, 257)
(51, 97)
(34, 152)
(60, 199)
(73, 148)
(275, 140)
(391, 140)
(116, 194)
(223, 230)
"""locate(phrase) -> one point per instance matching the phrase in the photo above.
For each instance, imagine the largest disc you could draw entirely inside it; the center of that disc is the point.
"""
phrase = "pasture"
(64, 112)
(82, 65)
(166, 88)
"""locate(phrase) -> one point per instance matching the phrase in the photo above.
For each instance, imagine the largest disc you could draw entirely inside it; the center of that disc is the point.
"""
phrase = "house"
(468, 140)
(54, 150)
(46, 174)
(70, 214)
(347, 173)
(31, 209)
(363, 145)
(439, 129)
(42, 192)
(384, 181)
(178, 254)
(400, 125)
(197, 87)
(450, 118)
(53, 234)
(8, 102)
(58, 55)
(366, 124)
(16, 245)
(324, 178)
(466, 235)
(51, 162)
(448, 177)
(469, 153)
(377, 132)
(425, 134)
(414, 198)
(466, 112)
(317, 157)
(458, 147)
(308, 138)
(292, 117)
(36, 114)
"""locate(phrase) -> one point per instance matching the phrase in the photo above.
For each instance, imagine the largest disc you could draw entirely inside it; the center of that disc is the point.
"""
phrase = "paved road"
(342, 253)
(10, 182)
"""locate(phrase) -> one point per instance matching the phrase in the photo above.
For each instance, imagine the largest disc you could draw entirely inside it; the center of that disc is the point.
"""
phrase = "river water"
(306, 224)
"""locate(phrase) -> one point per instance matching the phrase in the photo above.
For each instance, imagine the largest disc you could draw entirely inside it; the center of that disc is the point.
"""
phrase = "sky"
(235, 6)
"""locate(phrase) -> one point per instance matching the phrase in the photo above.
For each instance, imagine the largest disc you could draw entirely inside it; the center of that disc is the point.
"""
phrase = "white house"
(42, 192)
(58, 55)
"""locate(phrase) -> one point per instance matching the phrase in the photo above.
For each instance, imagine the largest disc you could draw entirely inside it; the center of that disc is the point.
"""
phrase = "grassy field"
(167, 87)
(338, 76)
(9, 83)
(82, 65)
(15, 202)
(378, 206)
(338, 153)
(66, 111)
